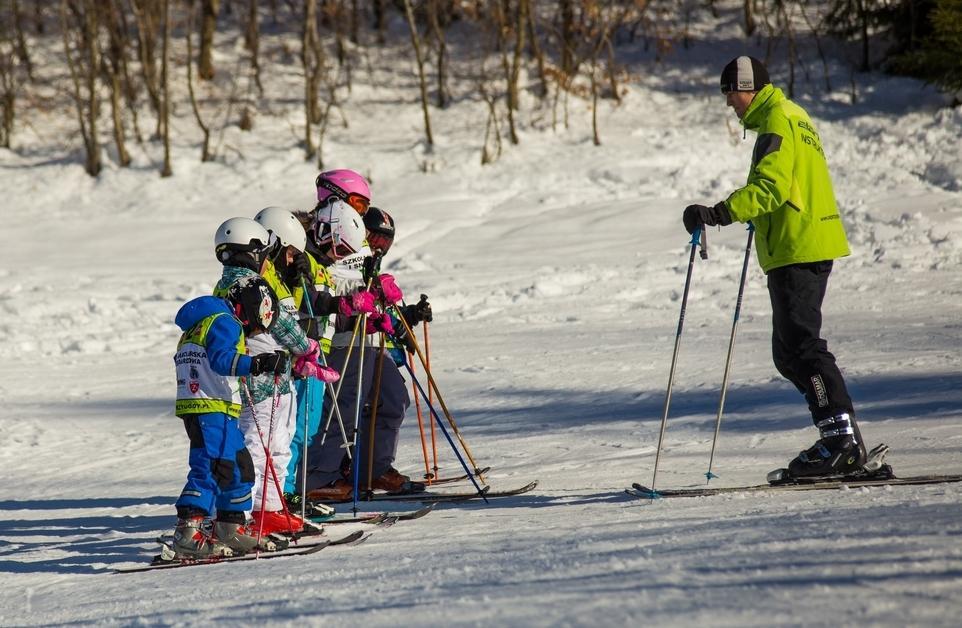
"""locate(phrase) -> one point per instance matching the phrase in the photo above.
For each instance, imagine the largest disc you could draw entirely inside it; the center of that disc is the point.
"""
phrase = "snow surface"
(556, 277)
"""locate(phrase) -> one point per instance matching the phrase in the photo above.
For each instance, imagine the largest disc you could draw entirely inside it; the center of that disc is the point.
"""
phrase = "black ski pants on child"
(799, 353)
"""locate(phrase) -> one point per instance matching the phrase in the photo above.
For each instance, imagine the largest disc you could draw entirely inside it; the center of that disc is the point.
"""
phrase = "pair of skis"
(168, 559)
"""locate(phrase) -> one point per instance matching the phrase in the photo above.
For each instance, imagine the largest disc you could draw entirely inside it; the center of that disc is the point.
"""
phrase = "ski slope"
(555, 275)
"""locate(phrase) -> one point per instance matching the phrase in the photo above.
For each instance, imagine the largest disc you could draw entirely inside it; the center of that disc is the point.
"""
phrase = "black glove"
(300, 267)
(404, 338)
(275, 363)
(698, 215)
(420, 311)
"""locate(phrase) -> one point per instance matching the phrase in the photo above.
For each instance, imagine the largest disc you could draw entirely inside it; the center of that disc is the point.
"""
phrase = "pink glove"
(380, 323)
(361, 302)
(327, 375)
(310, 368)
(389, 289)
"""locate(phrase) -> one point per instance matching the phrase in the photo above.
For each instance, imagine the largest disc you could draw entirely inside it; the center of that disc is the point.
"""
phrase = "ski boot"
(240, 537)
(311, 509)
(396, 483)
(192, 540)
(838, 452)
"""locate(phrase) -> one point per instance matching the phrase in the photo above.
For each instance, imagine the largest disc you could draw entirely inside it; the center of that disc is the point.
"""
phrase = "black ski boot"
(838, 452)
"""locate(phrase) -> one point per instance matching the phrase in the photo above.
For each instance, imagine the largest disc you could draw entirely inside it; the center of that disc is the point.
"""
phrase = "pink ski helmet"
(346, 185)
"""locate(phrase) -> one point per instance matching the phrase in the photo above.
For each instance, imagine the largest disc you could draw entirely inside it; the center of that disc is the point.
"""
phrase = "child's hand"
(389, 289)
(275, 363)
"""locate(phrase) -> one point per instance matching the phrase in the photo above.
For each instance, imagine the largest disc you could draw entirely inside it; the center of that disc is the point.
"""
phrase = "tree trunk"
(165, 87)
(416, 43)
(438, 22)
(83, 73)
(208, 25)
(252, 41)
(205, 147)
(114, 72)
(380, 23)
(749, 10)
(21, 40)
(536, 51)
(8, 95)
(147, 14)
(310, 59)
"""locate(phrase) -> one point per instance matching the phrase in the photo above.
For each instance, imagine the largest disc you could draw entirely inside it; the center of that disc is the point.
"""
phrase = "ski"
(379, 518)
(167, 559)
(435, 497)
(431, 482)
(643, 492)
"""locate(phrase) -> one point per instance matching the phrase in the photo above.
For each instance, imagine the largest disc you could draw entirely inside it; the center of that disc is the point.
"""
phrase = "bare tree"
(419, 57)
(113, 68)
(8, 87)
(83, 63)
(312, 61)
(20, 38)
(536, 51)
(208, 26)
(748, 8)
(205, 146)
(165, 86)
(439, 16)
(147, 14)
(252, 42)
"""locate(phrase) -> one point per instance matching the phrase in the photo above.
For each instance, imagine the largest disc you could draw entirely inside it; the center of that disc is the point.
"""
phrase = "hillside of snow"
(555, 275)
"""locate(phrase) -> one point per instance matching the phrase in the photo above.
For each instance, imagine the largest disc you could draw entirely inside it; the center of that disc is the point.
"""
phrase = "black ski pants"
(799, 353)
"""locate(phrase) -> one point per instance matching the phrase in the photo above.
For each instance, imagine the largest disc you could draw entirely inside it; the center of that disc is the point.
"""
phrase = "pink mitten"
(361, 302)
(389, 289)
(378, 323)
(327, 375)
(305, 366)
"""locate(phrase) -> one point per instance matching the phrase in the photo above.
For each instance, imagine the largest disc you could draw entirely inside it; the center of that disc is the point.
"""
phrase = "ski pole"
(444, 430)
(357, 408)
(731, 350)
(432, 383)
(334, 408)
(372, 423)
(309, 386)
(696, 237)
(408, 360)
(336, 393)
(427, 355)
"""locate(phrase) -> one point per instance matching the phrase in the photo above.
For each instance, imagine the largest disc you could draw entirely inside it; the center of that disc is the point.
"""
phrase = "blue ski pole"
(445, 432)
(696, 238)
(731, 349)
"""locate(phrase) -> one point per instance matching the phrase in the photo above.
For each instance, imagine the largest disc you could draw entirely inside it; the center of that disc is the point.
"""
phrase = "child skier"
(246, 248)
(338, 232)
(269, 414)
(210, 357)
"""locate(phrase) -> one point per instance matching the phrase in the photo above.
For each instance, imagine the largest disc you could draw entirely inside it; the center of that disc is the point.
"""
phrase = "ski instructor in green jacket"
(789, 200)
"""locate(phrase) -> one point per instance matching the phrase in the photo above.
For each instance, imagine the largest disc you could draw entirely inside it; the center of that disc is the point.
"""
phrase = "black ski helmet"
(253, 302)
(380, 229)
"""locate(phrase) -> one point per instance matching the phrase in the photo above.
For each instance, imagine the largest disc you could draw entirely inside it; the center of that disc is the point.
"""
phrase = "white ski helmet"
(340, 228)
(237, 236)
(284, 225)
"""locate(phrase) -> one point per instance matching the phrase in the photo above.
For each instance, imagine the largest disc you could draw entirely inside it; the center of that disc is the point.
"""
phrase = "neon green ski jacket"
(789, 195)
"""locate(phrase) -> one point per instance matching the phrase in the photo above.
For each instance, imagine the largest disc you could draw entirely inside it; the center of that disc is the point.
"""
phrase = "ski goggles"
(358, 202)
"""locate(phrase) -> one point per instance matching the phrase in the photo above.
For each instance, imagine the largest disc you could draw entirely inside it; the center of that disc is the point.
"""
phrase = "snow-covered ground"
(556, 276)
